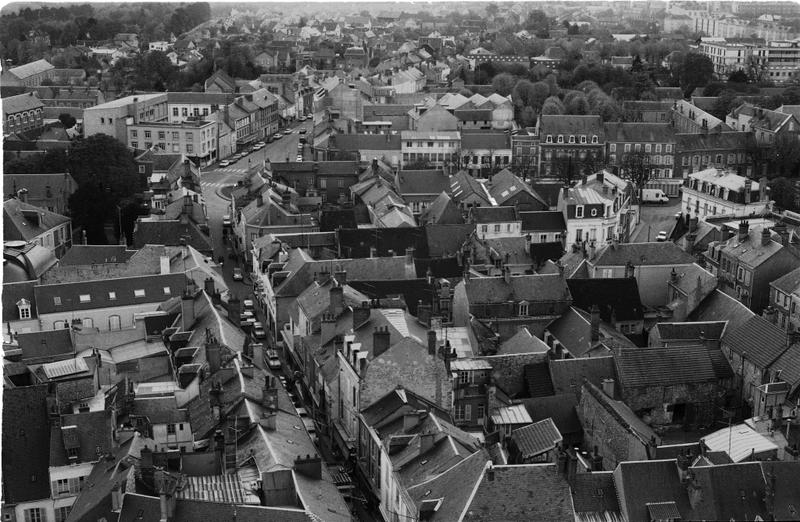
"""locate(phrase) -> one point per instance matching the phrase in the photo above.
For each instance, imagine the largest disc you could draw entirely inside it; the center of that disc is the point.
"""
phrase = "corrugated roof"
(516, 414)
(63, 368)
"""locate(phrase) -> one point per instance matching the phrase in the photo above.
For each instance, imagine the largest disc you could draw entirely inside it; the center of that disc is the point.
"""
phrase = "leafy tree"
(538, 23)
(527, 116)
(738, 76)
(635, 166)
(575, 102)
(67, 120)
(785, 156)
(527, 94)
(713, 89)
(553, 105)
(694, 70)
(786, 193)
(106, 174)
(503, 83)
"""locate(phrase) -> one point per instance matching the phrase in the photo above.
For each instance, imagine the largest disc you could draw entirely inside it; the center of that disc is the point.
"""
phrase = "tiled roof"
(714, 141)
(531, 288)
(446, 239)
(21, 103)
(505, 185)
(571, 125)
(548, 191)
(137, 508)
(170, 232)
(560, 408)
(640, 132)
(515, 414)
(661, 253)
(671, 366)
(31, 68)
(647, 482)
(543, 221)
(757, 339)
(26, 443)
(93, 431)
(537, 379)
(15, 292)
(617, 298)
(789, 366)
(719, 306)
(505, 493)
(422, 182)
(485, 140)
(595, 493)
(96, 254)
(396, 401)
(353, 142)
(536, 438)
(690, 330)
(45, 345)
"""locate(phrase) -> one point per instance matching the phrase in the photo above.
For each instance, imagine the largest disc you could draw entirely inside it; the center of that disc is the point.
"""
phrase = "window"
(147, 134)
(658, 148)
(57, 301)
(189, 136)
(340, 183)
(647, 147)
(430, 144)
(62, 513)
(497, 228)
(184, 111)
(189, 148)
(135, 144)
(175, 136)
(560, 138)
(627, 147)
(740, 274)
(549, 139)
(572, 139)
(161, 135)
(141, 169)
(170, 429)
(542, 238)
(594, 139)
(175, 111)
(523, 308)
(148, 144)
(579, 211)
(611, 148)
(578, 235)
(484, 229)
(463, 377)
(134, 133)
(637, 147)
(34, 515)
(85, 298)
(102, 121)
(167, 290)
(139, 292)
(24, 308)
(583, 139)
(481, 411)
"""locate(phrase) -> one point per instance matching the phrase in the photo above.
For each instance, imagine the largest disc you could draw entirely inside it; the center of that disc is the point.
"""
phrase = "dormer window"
(595, 140)
(579, 211)
(139, 292)
(523, 309)
(583, 139)
(549, 139)
(85, 298)
(72, 453)
(24, 308)
(572, 139)
(560, 138)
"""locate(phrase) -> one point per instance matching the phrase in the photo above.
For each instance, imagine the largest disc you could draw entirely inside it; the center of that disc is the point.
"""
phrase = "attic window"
(24, 308)
(549, 139)
(72, 453)
(85, 298)
(594, 139)
(138, 293)
(560, 138)
(57, 300)
(167, 290)
(572, 139)
(112, 296)
(583, 139)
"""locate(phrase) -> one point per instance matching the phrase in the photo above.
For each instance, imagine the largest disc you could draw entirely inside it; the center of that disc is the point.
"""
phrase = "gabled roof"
(542, 221)
(567, 375)
(136, 507)
(595, 492)
(617, 298)
(485, 140)
(672, 366)
(85, 431)
(21, 102)
(46, 345)
(789, 283)
(463, 186)
(640, 132)
(505, 185)
(25, 222)
(648, 254)
(640, 483)
(719, 306)
(493, 214)
(532, 288)
(31, 68)
(537, 438)
(689, 331)
(571, 125)
(26, 443)
(757, 339)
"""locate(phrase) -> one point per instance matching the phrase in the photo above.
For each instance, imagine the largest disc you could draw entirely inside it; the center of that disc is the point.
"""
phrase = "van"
(654, 196)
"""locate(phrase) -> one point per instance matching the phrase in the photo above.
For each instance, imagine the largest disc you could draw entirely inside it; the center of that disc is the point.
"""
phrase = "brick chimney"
(690, 239)
(744, 230)
(380, 340)
(309, 466)
(336, 305)
(361, 314)
(187, 311)
(766, 236)
(208, 286)
(431, 342)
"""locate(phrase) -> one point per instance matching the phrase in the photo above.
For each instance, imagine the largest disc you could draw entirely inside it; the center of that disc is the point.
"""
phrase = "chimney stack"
(164, 265)
(187, 311)
(608, 387)
(361, 314)
(507, 275)
(410, 255)
(336, 305)
(690, 239)
(208, 286)
(766, 236)
(595, 323)
(380, 340)
(431, 342)
(744, 230)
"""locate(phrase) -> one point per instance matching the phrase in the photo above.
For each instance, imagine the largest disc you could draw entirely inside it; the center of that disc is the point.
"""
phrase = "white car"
(277, 136)
(302, 412)
(248, 304)
(224, 163)
(662, 236)
(299, 158)
(258, 330)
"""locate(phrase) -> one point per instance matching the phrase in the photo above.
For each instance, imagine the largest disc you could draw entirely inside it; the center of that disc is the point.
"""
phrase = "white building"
(434, 148)
(717, 192)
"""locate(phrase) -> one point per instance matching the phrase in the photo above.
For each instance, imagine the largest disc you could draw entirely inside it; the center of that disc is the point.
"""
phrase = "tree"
(106, 174)
(738, 76)
(786, 193)
(694, 70)
(503, 84)
(553, 105)
(67, 120)
(785, 157)
(575, 102)
(635, 166)
(527, 94)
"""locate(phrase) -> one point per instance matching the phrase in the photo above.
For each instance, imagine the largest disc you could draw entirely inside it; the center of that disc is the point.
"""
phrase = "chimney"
(214, 356)
(597, 461)
(22, 195)
(208, 286)
(595, 323)
(260, 200)
(410, 255)
(507, 275)
(693, 224)
(341, 277)
(187, 311)
(770, 314)
(673, 276)
(431, 342)
(361, 314)
(426, 441)
(269, 395)
(374, 165)
(310, 467)
(744, 230)
(234, 308)
(690, 239)
(268, 421)
(336, 306)
(780, 229)
(380, 340)
(608, 387)
(748, 187)
(766, 236)
(327, 327)
(373, 252)
(600, 177)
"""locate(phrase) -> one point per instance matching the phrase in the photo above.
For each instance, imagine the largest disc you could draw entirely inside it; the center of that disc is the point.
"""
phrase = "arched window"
(595, 140)
(572, 139)
(560, 138)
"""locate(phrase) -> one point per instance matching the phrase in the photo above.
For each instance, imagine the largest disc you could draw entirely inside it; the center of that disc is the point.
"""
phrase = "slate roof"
(719, 306)
(100, 291)
(169, 232)
(446, 239)
(714, 141)
(640, 132)
(31, 68)
(482, 140)
(13, 293)
(567, 375)
(656, 253)
(542, 221)
(96, 254)
(93, 430)
(569, 125)
(46, 345)
(505, 185)
(523, 342)
(493, 214)
(26, 441)
(671, 366)
(17, 227)
(560, 408)
(532, 288)
(159, 410)
(537, 438)
(395, 402)
(548, 191)
(550, 251)
(760, 341)
(463, 186)
(507, 496)
(537, 379)
(789, 365)
(21, 103)
(616, 297)
(789, 283)
(643, 482)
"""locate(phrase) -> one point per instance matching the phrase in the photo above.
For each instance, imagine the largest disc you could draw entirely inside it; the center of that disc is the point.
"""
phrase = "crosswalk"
(216, 184)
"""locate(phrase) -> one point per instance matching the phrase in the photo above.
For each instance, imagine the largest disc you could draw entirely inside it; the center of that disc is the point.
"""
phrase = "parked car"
(226, 220)
(246, 319)
(286, 132)
(274, 363)
(224, 163)
(302, 131)
(301, 118)
(662, 236)
(248, 304)
(258, 330)
(299, 157)
(237, 274)
(277, 136)
(302, 412)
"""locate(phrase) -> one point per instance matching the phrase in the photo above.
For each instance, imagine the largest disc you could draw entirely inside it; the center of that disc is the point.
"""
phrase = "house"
(48, 191)
(699, 380)
(722, 150)
(544, 226)
(419, 188)
(509, 302)
(496, 222)
(417, 146)
(784, 298)
(22, 112)
(32, 74)
(581, 138)
(748, 262)
(328, 180)
(715, 191)
(220, 81)
(367, 147)
(751, 348)
(689, 118)
(405, 440)
(468, 191)
(655, 140)
(766, 125)
(25, 222)
(511, 191)
(616, 299)
(598, 210)
(579, 334)
(442, 211)
(355, 57)
(485, 152)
